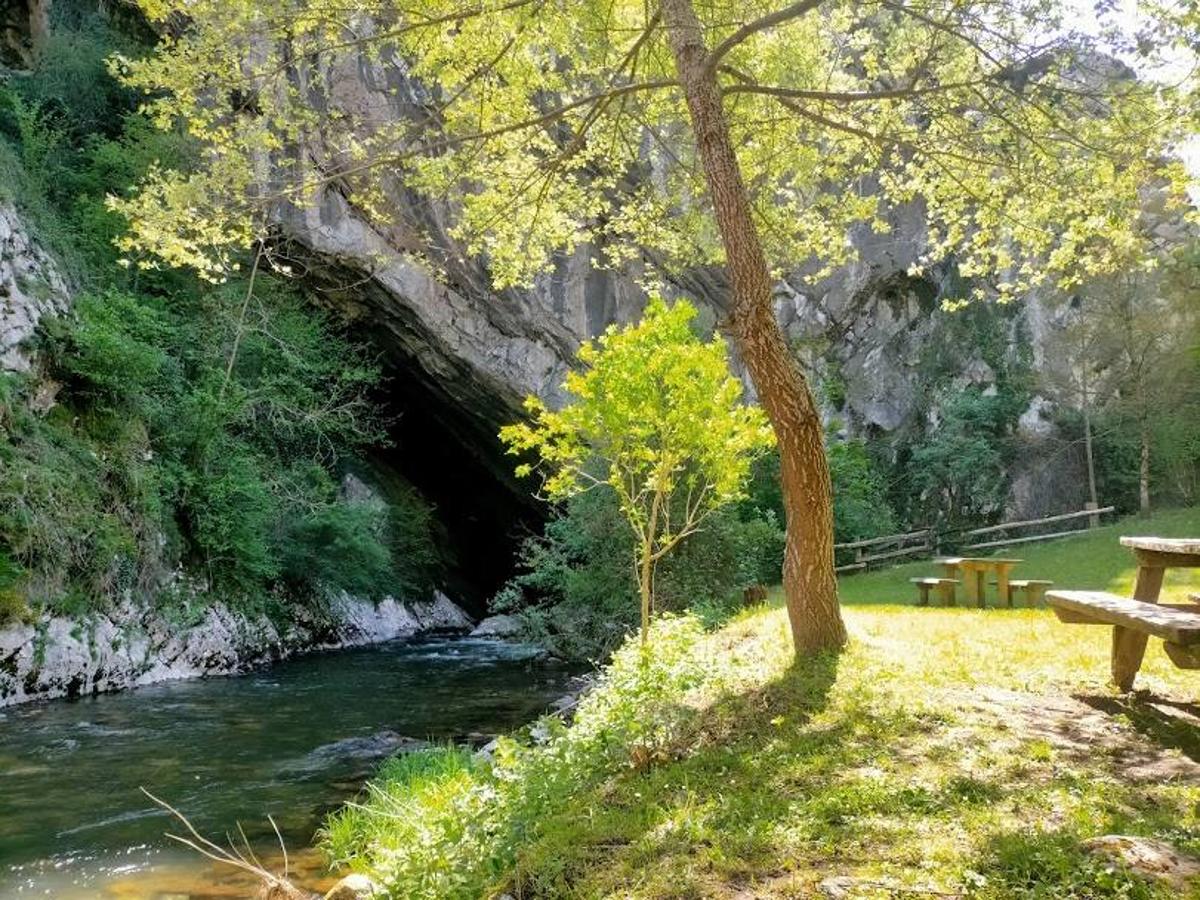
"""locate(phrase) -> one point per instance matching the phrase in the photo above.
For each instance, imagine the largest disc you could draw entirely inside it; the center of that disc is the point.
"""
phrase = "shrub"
(576, 591)
(192, 424)
(12, 601)
(440, 825)
(656, 419)
(961, 470)
(341, 546)
(860, 507)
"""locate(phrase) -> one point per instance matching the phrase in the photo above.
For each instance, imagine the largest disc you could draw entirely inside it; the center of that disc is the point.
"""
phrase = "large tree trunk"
(809, 582)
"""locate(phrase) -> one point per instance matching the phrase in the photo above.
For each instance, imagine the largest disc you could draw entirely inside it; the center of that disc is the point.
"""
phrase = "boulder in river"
(498, 627)
(371, 746)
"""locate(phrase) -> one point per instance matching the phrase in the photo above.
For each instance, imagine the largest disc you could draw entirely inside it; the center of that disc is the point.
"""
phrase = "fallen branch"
(274, 887)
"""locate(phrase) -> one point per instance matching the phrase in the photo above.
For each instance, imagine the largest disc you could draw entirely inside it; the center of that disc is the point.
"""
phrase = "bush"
(576, 592)
(12, 601)
(860, 506)
(961, 470)
(342, 547)
(440, 825)
(190, 426)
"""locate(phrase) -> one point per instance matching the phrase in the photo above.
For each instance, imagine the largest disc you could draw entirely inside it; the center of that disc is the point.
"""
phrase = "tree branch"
(847, 96)
(792, 11)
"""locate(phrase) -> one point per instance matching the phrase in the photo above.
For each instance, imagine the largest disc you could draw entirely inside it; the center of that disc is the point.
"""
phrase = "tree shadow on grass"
(1170, 723)
(790, 777)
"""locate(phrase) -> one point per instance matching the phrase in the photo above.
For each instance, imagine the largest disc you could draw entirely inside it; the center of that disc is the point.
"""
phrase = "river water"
(292, 741)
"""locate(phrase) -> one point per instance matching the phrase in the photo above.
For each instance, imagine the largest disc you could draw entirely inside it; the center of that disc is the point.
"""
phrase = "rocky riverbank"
(133, 645)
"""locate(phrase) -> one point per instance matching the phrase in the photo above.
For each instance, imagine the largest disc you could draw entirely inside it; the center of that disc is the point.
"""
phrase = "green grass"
(957, 752)
(1094, 560)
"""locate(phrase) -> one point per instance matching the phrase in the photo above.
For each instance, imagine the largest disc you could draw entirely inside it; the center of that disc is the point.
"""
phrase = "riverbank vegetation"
(170, 422)
(961, 753)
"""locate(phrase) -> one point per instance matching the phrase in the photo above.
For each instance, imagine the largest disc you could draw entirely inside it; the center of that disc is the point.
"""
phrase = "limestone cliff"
(134, 645)
(471, 352)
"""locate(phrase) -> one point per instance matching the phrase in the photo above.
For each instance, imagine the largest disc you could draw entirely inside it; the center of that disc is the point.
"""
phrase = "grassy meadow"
(946, 753)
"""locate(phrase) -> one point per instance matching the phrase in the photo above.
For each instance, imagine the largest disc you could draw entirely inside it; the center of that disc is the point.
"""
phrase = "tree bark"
(809, 581)
(646, 568)
(1087, 446)
(1144, 473)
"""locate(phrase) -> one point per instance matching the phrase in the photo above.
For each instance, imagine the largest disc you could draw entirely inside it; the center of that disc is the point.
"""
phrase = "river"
(292, 741)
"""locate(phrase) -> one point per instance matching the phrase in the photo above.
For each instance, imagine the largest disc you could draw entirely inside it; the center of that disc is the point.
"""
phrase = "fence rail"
(890, 546)
(992, 529)
(925, 541)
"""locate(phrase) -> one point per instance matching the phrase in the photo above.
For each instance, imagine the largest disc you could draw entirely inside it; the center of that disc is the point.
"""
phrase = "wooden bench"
(1034, 589)
(945, 588)
(1178, 626)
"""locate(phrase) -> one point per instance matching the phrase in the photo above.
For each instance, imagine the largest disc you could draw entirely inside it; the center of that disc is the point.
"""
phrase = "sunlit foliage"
(537, 125)
(655, 417)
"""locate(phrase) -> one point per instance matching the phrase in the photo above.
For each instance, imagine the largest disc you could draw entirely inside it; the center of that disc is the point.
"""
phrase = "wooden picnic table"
(972, 571)
(1136, 619)
(1154, 556)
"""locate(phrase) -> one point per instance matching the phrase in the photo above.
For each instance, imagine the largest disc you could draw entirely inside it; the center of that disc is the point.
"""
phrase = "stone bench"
(945, 588)
(1178, 626)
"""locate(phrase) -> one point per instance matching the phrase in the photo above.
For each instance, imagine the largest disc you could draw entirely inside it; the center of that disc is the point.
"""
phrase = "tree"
(962, 469)
(655, 416)
(1128, 351)
(689, 132)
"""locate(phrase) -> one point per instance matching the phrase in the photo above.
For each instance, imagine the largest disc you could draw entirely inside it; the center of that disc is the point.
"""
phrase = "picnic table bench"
(945, 588)
(1034, 588)
(972, 571)
(1136, 619)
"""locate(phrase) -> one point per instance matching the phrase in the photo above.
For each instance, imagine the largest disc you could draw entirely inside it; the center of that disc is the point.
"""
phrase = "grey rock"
(488, 750)
(1146, 856)
(498, 627)
(373, 746)
(353, 887)
(133, 645)
(837, 887)
(31, 286)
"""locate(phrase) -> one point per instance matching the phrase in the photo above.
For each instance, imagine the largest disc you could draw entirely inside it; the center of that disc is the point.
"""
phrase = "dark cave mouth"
(453, 458)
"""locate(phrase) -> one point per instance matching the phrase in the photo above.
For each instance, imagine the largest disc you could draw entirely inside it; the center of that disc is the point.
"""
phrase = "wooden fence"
(1093, 516)
(891, 546)
(925, 542)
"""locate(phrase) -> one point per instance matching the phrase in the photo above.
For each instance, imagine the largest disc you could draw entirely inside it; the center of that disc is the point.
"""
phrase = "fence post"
(1094, 518)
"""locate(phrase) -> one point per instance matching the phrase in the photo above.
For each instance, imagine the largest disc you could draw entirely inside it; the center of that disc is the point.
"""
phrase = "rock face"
(474, 352)
(131, 646)
(31, 286)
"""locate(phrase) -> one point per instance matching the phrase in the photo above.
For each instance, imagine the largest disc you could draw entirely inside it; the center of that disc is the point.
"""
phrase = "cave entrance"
(451, 455)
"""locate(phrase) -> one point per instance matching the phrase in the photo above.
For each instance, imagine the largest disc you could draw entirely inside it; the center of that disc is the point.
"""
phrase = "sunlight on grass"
(938, 753)
(1027, 650)
(959, 752)
(889, 764)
